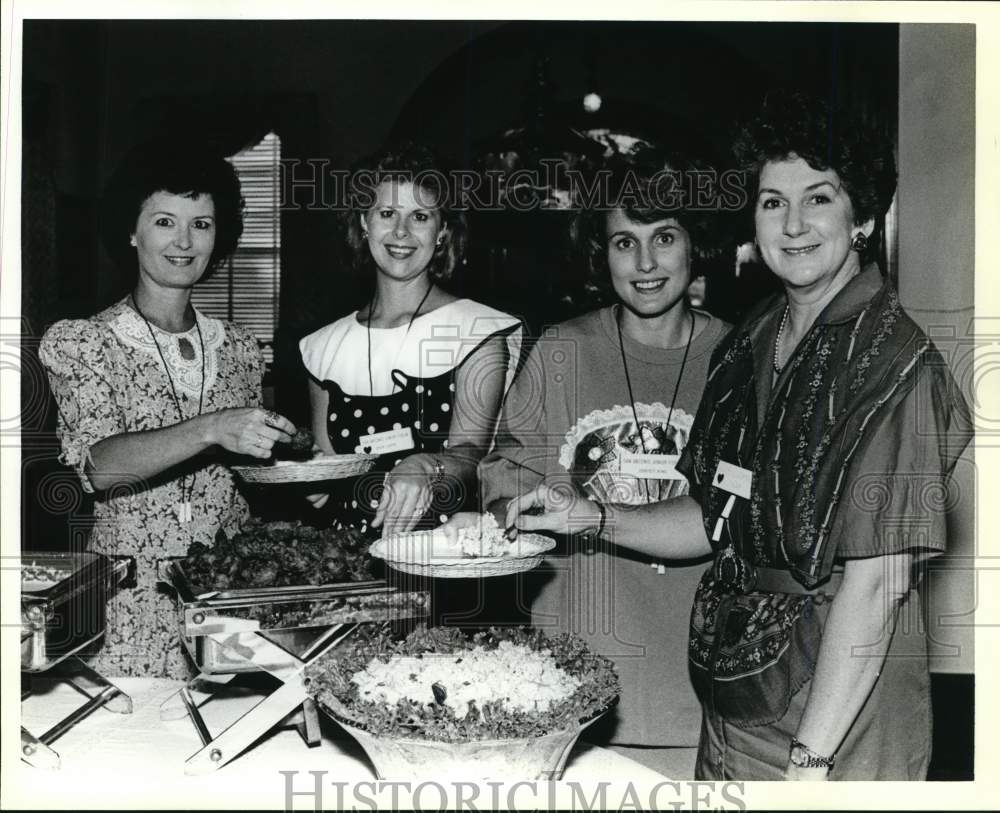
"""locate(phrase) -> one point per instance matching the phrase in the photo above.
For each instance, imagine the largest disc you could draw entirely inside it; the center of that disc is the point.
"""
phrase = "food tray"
(64, 603)
(428, 553)
(321, 467)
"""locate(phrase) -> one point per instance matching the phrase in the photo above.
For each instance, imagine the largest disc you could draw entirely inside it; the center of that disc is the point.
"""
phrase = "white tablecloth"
(117, 761)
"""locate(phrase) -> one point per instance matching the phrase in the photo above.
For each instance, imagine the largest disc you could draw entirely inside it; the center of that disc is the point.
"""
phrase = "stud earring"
(131, 241)
(860, 242)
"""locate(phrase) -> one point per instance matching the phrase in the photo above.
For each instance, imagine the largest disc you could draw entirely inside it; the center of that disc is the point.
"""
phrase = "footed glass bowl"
(543, 757)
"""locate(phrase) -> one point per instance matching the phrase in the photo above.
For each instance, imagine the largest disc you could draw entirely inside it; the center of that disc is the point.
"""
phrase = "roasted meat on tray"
(279, 554)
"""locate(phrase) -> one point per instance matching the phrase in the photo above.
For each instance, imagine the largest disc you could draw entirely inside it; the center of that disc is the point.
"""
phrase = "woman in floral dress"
(152, 394)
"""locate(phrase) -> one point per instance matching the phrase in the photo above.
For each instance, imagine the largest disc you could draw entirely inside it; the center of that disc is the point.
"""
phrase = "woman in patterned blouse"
(152, 393)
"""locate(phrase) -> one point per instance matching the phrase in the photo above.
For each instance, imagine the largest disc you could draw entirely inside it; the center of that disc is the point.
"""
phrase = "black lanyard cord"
(187, 487)
(628, 378)
(368, 331)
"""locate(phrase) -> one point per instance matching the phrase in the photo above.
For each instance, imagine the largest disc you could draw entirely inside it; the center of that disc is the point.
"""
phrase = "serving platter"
(433, 553)
(320, 467)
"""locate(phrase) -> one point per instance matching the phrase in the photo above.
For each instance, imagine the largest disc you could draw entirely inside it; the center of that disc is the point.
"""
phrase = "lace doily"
(186, 373)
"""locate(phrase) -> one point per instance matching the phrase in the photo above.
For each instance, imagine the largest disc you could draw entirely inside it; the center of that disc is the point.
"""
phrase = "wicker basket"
(543, 757)
(321, 467)
(424, 553)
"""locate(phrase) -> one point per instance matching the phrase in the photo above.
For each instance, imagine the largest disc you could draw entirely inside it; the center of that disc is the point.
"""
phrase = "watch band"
(803, 756)
(439, 471)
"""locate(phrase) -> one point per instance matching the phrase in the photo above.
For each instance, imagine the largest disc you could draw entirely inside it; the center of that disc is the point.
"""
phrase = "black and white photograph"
(484, 412)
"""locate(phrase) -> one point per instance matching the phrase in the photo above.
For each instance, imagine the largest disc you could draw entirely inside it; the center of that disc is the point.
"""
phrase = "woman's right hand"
(249, 430)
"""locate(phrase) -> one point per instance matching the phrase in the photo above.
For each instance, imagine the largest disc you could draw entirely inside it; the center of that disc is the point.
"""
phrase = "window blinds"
(245, 288)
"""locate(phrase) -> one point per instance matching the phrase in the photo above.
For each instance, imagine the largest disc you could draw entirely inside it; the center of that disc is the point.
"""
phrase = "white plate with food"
(475, 552)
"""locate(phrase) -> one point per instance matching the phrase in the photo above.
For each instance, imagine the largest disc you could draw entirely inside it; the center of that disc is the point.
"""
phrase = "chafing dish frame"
(90, 576)
(291, 617)
(224, 634)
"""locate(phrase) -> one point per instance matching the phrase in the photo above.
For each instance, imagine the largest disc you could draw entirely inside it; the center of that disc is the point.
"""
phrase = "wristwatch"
(804, 757)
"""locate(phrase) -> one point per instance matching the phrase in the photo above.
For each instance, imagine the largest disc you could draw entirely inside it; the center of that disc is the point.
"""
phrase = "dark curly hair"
(811, 128)
(414, 163)
(189, 169)
(650, 185)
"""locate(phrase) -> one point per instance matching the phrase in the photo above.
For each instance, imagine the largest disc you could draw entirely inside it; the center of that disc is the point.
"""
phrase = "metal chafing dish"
(63, 612)
(278, 630)
(64, 603)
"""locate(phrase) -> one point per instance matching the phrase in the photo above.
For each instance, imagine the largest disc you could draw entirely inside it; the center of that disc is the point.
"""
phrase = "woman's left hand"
(563, 510)
(408, 492)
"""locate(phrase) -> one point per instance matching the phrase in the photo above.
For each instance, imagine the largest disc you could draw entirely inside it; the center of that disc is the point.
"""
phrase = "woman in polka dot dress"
(416, 376)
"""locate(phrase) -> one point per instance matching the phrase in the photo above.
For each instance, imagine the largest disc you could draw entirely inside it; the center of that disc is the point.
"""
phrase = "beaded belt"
(737, 575)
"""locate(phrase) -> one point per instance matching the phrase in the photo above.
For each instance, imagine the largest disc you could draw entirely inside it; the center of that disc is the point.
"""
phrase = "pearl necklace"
(777, 342)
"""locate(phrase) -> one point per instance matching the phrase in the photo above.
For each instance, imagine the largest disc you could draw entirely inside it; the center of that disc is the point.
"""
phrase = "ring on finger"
(271, 418)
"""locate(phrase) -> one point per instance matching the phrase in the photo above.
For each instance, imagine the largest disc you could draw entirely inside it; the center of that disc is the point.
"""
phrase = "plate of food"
(474, 552)
(504, 704)
(299, 462)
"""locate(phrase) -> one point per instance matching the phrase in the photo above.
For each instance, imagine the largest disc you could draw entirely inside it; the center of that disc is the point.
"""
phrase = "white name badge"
(650, 466)
(378, 443)
(733, 479)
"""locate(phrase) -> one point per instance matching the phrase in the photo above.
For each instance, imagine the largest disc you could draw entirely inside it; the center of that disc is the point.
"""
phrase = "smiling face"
(805, 225)
(174, 238)
(650, 263)
(403, 228)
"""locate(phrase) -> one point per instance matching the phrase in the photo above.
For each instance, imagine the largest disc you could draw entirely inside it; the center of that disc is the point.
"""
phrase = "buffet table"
(126, 760)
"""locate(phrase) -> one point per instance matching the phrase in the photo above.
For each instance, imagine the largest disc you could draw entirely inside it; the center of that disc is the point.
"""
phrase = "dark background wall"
(336, 89)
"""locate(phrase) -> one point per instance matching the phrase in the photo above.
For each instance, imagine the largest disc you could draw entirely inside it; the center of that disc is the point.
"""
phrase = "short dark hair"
(414, 163)
(189, 169)
(649, 185)
(814, 129)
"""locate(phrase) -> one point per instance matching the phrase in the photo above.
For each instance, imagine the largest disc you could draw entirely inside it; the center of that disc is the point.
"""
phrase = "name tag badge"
(379, 443)
(733, 479)
(650, 466)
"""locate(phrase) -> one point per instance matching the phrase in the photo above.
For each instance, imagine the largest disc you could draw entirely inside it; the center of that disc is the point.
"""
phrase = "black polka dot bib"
(422, 405)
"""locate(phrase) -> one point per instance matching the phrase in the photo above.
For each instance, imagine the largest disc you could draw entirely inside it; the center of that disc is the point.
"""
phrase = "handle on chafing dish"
(242, 598)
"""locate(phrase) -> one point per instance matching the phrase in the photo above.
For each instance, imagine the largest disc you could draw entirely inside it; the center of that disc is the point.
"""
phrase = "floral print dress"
(108, 378)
